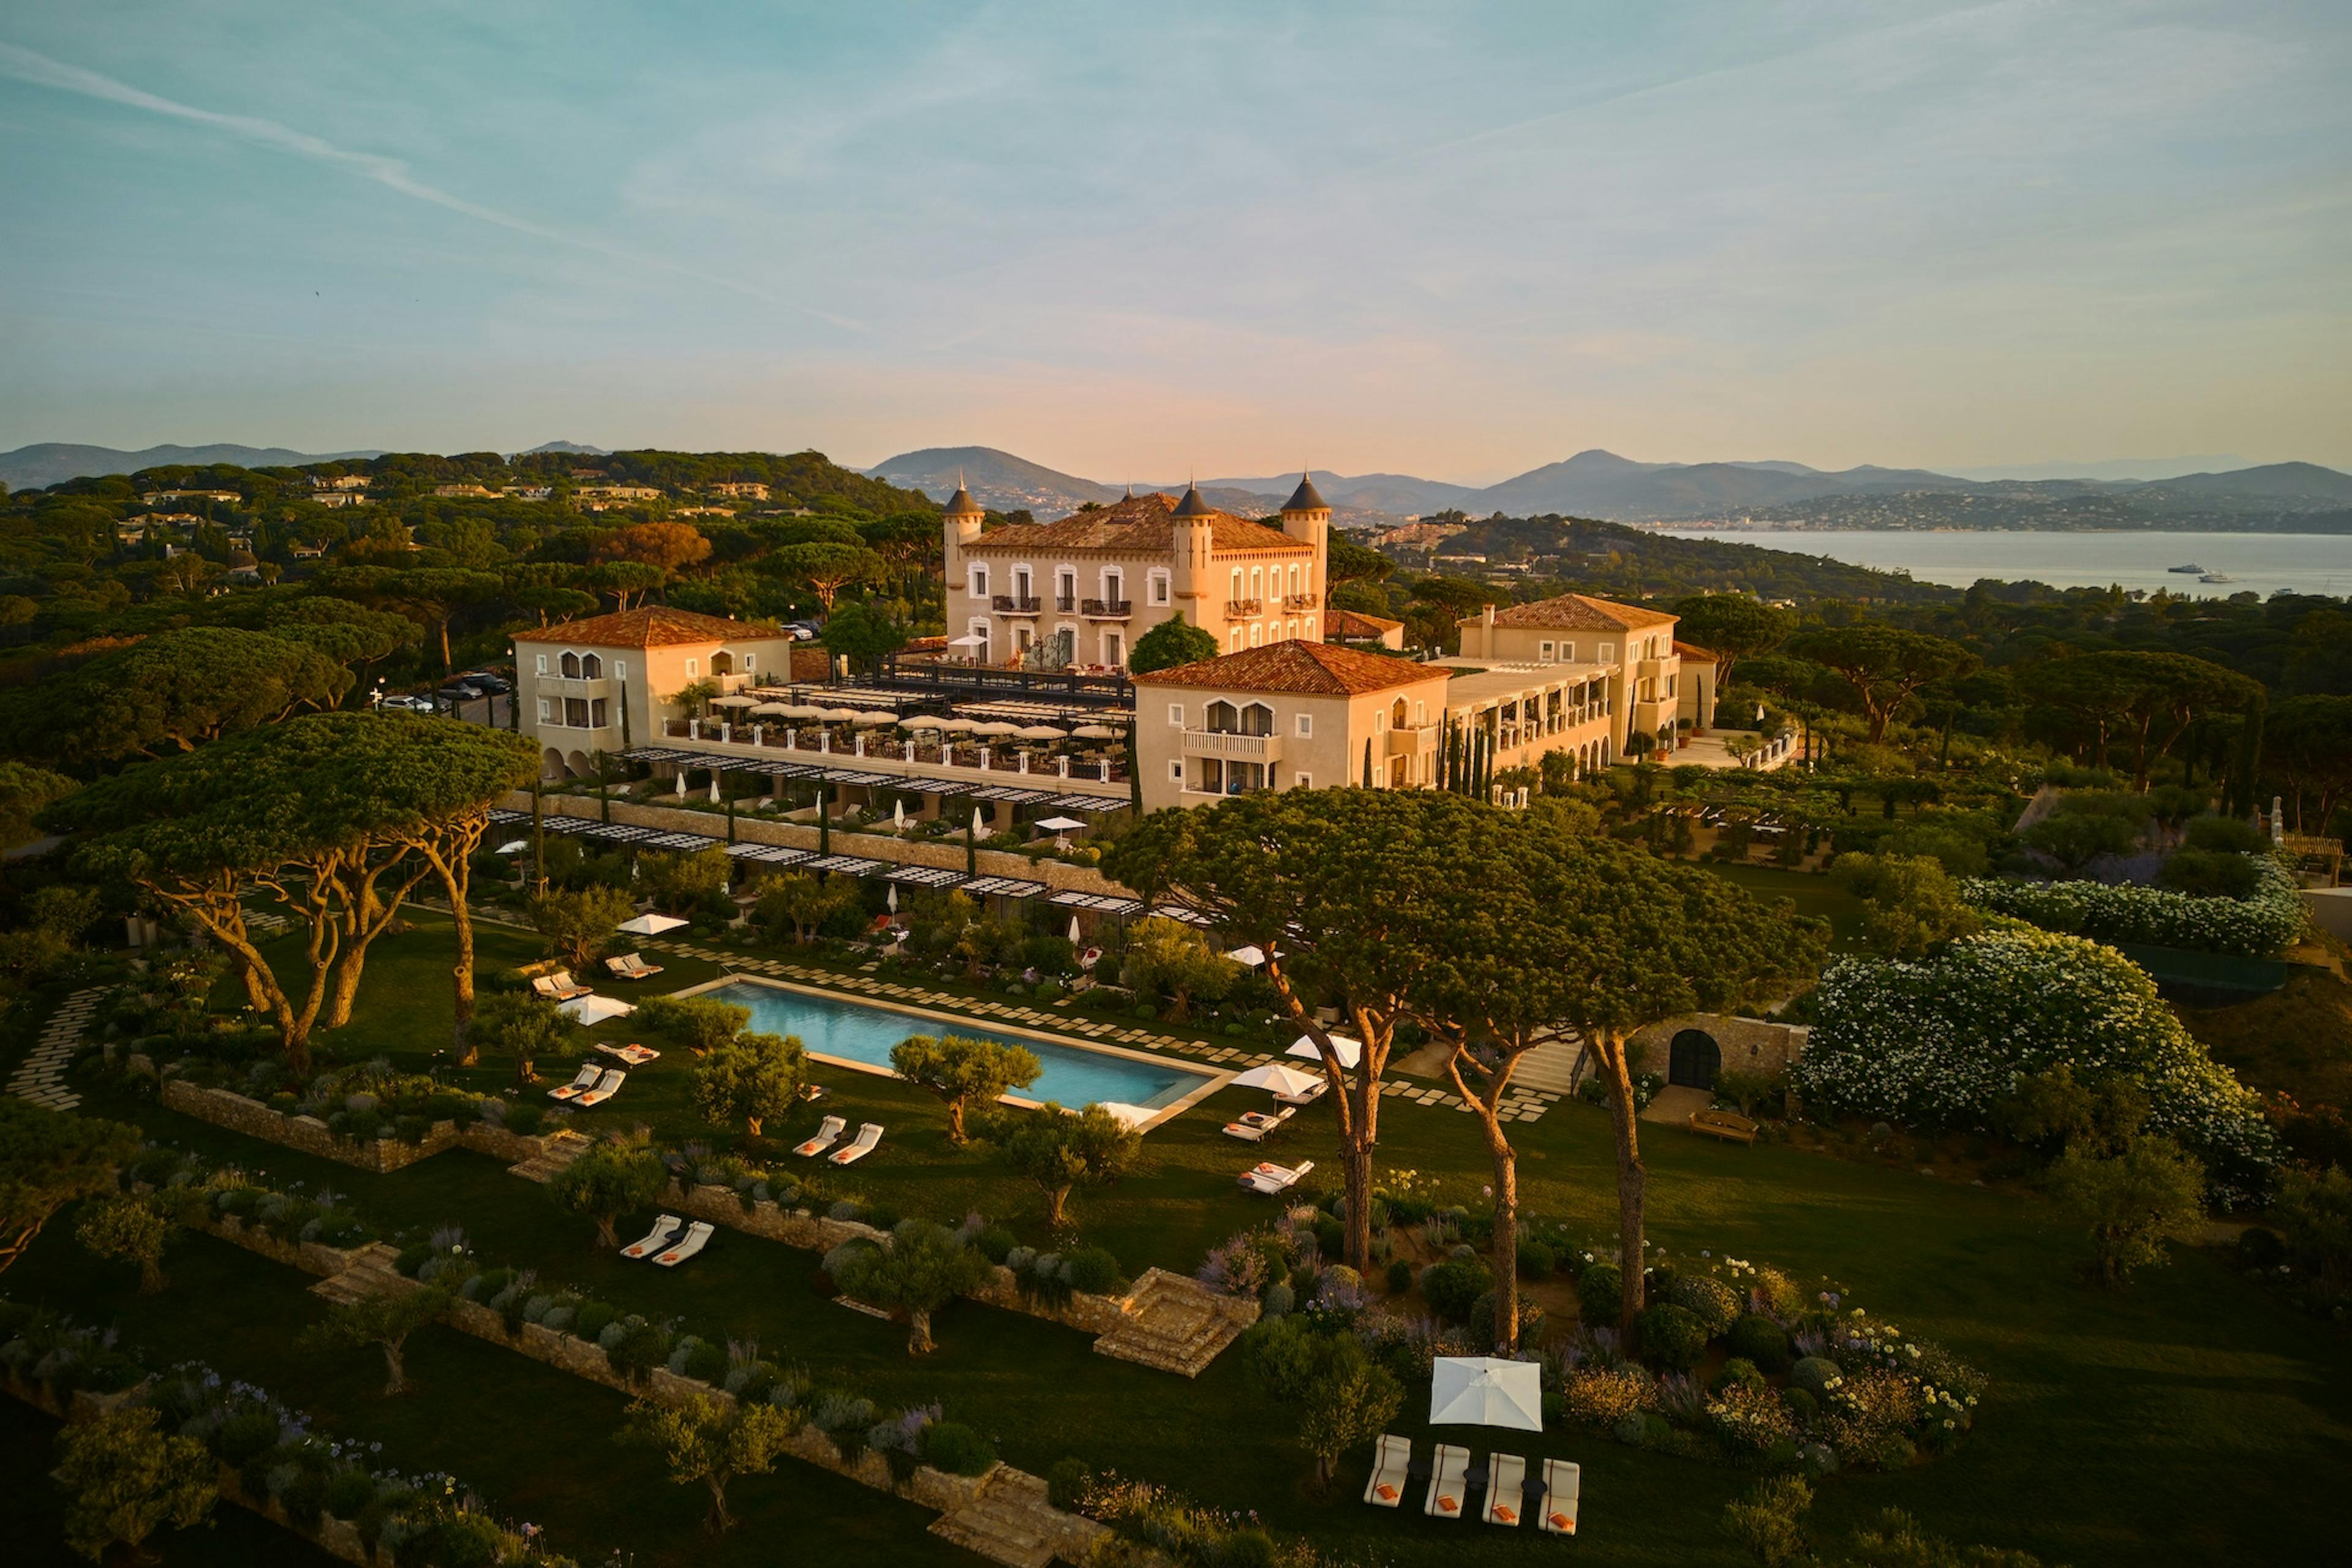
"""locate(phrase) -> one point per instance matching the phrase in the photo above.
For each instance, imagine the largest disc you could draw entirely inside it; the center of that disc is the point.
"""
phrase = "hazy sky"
(1449, 239)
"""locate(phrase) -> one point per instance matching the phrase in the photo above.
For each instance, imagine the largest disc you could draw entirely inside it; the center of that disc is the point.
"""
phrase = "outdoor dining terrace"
(876, 739)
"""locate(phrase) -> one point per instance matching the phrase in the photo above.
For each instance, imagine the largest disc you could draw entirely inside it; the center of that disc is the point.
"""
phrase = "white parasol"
(1278, 1078)
(730, 702)
(597, 1009)
(650, 925)
(1060, 824)
(1349, 1051)
(1480, 1391)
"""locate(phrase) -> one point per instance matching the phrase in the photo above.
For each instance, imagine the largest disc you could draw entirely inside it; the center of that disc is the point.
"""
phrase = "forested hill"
(1618, 561)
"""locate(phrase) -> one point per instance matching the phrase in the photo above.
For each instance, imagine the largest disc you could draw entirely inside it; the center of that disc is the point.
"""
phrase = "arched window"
(1257, 718)
(1222, 718)
(571, 667)
(722, 663)
(591, 667)
(1396, 714)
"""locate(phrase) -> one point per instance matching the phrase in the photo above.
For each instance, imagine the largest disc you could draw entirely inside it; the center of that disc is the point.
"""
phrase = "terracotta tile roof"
(656, 626)
(1139, 525)
(1313, 669)
(1578, 612)
(1691, 651)
(1355, 624)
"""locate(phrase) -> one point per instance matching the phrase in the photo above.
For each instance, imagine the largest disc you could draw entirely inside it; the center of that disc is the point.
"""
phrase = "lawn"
(2191, 1418)
(1813, 895)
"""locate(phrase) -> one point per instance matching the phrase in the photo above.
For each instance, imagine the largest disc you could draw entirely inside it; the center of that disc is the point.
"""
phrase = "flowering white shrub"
(2258, 926)
(1937, 1043)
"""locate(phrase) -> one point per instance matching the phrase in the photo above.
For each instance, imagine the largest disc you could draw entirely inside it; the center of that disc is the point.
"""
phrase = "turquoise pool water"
(854, 1032)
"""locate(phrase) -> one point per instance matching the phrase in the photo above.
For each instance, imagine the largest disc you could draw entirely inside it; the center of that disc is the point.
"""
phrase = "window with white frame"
(979, 581)
(1257, 634)
(1305, 725)
(1235, 639)
(1176, 770)
(546, 710)
(1175, 715)
(693, 667)
(591, 666)
(620, 670)
(1304, 781)
(1568, 653)
(1380, 721)
(747, 664)
(1237, 584)
(1608, 652)
(570, 665)
(1158, 586)
(543, 664)
(1544, 651)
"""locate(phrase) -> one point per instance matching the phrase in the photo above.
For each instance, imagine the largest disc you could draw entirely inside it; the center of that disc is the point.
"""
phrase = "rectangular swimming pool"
(854, 1032)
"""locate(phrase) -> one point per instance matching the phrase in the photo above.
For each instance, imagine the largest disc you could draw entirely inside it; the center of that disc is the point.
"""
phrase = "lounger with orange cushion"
(1507, 1480)
(1563, 1480)
(827, 1132)
(1449, 1482)
(1391, 1461)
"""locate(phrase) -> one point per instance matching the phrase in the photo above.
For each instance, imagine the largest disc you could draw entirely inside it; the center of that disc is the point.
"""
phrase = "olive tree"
(750, 1078)
(133, 1229)
(47, 1159)
(924, 1268)
(126, 1477)
(711, 1441)
(384, 1320)
(607, 1182)
(964, 1071)
(1062, 1152)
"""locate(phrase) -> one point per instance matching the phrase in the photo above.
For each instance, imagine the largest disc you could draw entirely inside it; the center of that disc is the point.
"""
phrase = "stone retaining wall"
(1748, 1045)
(798, 1228)
(241, 1113)
(309, 1256)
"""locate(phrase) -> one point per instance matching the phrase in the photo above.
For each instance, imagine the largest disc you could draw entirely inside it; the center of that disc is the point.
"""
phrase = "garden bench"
(1726, 1124)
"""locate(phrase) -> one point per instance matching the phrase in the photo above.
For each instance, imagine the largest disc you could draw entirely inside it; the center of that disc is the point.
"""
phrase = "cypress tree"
(1367, 762)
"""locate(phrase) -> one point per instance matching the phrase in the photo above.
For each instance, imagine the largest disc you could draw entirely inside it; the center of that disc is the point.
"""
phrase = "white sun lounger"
(826, 1131)
(578, 1085)
(1506, 1480)
(1321, 1087)
(560, 988)
(606, 1088)
(869, 1133)
(635, 1055)
(697, 1236)
(1272, 1179)
(666, 1229)
(1562, 1481)
(1254, 1126)
(632, 966)
(1391, 1461)
(1448, 1481)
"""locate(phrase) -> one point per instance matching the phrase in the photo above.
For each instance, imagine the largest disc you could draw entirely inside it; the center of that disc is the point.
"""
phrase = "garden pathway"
(1674, 1103)
(41, 1076)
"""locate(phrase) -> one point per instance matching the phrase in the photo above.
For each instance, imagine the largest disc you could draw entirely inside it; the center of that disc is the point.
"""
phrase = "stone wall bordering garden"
(1748, 1045)
(308, 1135)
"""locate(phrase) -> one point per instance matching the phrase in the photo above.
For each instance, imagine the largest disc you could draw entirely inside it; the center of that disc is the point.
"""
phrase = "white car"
(405, 704)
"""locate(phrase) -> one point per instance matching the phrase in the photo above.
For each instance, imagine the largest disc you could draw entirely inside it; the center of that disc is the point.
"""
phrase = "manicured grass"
(2190, 1419)
(1813, 895)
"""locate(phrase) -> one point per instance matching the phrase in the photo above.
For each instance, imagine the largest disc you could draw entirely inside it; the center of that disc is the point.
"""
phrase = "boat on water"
(2187, 570)
(2217, 578)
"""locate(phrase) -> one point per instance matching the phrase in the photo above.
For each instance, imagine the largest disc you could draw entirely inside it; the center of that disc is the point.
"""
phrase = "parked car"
(459, 691)
(804, 631)
(489, 683)
(406, 704)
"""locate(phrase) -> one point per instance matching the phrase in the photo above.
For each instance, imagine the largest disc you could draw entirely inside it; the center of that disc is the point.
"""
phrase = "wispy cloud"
(27, 65)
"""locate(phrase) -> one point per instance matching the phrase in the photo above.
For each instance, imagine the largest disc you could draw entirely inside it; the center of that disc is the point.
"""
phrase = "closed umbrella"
(714, 788)
(1481, 1391)
(1075, 937)
(897, 820)
(681, 784)
(1349, 1051)
(891, 898)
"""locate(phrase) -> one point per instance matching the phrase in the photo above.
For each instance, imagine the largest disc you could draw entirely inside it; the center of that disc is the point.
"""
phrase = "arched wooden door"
(1694, 1060)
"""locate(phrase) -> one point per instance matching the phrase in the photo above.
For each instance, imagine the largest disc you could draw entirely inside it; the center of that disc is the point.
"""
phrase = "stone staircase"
(1550, 1067)
(1176, 1325)
(371, 1274)
(1010, 1522)
(556, 1151)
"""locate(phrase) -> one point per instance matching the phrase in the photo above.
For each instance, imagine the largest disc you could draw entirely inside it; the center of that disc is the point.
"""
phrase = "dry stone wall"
(240, 1113)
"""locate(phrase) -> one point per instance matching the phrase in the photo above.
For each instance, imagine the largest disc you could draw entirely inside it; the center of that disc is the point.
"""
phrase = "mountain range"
(1598, 484)
(54, 462)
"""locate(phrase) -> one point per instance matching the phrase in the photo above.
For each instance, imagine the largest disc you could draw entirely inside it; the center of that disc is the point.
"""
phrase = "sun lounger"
(1391, 1461)
(635, 1055)
(869, 1133)
(632, 966)
(697, 1236)
(1449, 1482)
(606, 1088)
(1322, 1086)
(558, 988)
(1254, 1125)
(1506, 1480)
(667, 1230)
(1563, 1480)
(1270, 1179)
(826, 1131)
(578, 1085)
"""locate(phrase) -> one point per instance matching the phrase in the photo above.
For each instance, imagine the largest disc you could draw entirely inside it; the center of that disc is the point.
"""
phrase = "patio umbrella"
(650, 925)
(1480, 1391)
(970, 639)
(1277, 1078)
(875, 716)
(1060, 824)
(959, 726)
(730, 702)
(1041, 732)
(1096, 732)
(773, 710)
(1075, 937)
(515, 846)
(681, 784)
(891, 898)
(1249, 956)
(714, 787)
(922, 722)
(597, 1009)
(897, 820)
(835, 715)
(1348, 1050)
(996, 728)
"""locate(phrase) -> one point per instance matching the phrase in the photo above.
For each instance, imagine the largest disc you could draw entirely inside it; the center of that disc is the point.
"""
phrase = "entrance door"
(1694, 1060)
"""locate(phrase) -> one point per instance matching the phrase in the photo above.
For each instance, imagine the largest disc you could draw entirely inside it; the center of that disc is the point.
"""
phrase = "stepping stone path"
(41, 1076)
(1175, 1324)
(371, 1274)
(556, 1151)
(1010, 1522)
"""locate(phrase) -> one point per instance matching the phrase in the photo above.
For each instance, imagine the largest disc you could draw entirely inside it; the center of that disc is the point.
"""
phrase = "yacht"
(2217, 578)
(2187, 570)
